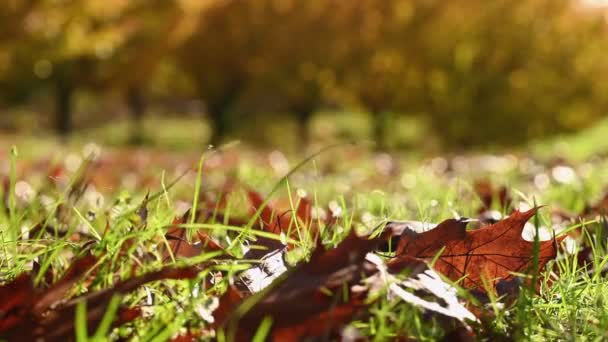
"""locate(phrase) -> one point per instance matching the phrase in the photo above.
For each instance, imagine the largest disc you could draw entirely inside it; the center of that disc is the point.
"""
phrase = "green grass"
(571, 305)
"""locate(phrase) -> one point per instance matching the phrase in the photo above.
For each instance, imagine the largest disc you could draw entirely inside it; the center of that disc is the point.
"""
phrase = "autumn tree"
(376, 65)
(12, 14)
(243, 55)
(149, 31)
(79, 44)
(537, 72)
(532, 74)
(58, 50)
(16, 77)
(296, 77)
(217, 57)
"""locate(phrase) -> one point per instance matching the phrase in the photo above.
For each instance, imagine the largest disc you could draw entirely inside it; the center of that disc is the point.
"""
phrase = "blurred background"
(425, 75)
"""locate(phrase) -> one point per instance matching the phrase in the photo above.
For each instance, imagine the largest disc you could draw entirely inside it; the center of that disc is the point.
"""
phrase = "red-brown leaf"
(488, 195)
(493, 252)
(323, 324)
(267, 214)
(59, 290)
(16, 298)
(30, 314)
(296, 303)
(412, 243)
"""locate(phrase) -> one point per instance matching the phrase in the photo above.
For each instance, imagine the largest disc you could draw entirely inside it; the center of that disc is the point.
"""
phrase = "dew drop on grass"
(570, 245)
(24, 192)
(205, 311)
(278, 162)
(94, 199)
(91, 151)
(542, 181)
(529, 231)
(301, 193)
(72, 162)
(47, 202)
(335, 208)
(563, 174)
(318, 213)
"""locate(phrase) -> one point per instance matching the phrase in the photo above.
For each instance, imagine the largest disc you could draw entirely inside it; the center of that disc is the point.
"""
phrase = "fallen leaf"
(493, 252)
(182, 248)
(16, 298)
(60, 289)
(32, 314)
(276, 221)
(489, 195)
(413, 243)
(422, 288)
(296, 300)
(271, 266)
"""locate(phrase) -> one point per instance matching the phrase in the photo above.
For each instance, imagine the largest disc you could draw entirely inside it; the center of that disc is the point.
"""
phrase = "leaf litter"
(425, 265)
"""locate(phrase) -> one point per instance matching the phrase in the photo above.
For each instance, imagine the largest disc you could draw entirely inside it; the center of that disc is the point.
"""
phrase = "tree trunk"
(137, 110)
(379, 133)
(303, 118)
(63, 108)
(217, 110)
(215, 115)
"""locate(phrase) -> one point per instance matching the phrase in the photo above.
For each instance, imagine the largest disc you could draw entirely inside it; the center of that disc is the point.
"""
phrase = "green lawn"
(121, 208)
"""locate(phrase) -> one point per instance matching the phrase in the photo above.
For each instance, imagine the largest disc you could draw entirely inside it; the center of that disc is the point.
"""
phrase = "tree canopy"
(531, 67)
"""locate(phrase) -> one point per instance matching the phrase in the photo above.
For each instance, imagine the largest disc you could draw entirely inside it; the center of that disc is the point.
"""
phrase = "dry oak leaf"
(28, 313)
(276, 221)
(298, 302)
(492, 253)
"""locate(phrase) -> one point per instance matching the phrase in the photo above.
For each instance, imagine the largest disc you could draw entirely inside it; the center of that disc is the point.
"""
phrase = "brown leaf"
(269, 222)
(322, 325)
(30, 314)
(412, 243)
(488, 195)
(60, 289)
(267, 214)
(182, 248)
(21, 301)
(423, 288)
(126, 315)
(304, 211)
(228, 301)
(492, 252)
(295, 302)
(58, 323)
(273, 221)
(16, 298)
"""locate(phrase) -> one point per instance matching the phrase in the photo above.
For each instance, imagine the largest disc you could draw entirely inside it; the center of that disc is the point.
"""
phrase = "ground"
(84, 217)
